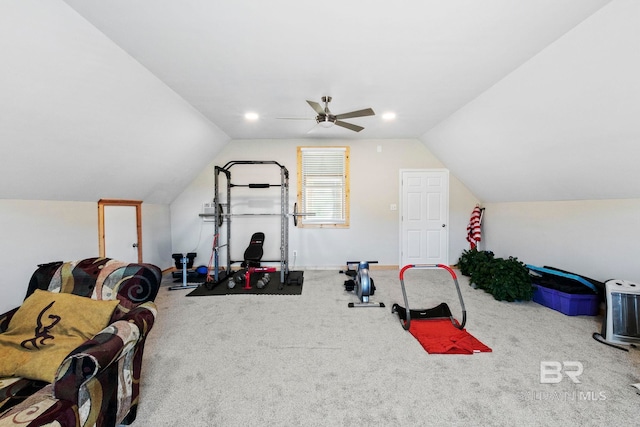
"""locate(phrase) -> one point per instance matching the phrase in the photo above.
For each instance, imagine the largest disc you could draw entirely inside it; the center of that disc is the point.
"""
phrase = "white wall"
(595, 238)
(374, 230)
(36, 232)
(156, 235)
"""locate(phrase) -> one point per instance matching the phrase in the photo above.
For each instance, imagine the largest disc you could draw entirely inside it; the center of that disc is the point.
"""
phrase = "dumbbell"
(238, 278)
(263, 281)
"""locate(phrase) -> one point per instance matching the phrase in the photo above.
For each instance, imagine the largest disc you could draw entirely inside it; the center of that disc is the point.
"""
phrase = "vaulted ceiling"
(522, 100)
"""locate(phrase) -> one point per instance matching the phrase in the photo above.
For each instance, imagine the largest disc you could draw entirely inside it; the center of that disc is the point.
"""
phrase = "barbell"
(221, 215)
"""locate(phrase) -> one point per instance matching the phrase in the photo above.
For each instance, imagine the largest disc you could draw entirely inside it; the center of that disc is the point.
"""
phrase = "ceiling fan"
(327, 119)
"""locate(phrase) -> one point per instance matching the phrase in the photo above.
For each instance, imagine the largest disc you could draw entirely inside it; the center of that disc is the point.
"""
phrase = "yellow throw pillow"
(46, 328)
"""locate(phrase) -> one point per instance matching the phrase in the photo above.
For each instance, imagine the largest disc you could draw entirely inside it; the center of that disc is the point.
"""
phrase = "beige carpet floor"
(309, 360)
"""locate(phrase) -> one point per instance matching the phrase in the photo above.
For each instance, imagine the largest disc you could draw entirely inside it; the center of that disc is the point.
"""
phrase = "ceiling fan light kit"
(325, 121)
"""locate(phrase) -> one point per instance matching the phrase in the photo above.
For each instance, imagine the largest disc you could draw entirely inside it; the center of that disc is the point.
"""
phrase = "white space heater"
(621, 324)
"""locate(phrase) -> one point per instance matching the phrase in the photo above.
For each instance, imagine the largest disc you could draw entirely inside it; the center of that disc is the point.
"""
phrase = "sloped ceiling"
(80, 119)
(563, 126)
(130, 99)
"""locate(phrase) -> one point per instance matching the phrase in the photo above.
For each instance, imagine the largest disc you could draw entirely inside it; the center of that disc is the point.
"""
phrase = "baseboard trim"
(383, 267)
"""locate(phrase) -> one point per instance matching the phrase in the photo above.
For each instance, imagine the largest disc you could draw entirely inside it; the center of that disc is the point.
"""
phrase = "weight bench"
(251, 264)
(253, 253)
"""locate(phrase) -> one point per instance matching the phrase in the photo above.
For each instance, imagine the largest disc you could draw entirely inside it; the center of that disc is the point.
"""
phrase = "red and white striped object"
(474, 234)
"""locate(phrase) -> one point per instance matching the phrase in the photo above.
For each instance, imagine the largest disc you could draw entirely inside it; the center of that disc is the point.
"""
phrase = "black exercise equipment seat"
(253, 253)
(441, 311)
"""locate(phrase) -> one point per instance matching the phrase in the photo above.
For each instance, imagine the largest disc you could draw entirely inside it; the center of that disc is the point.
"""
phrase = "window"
(323, 186)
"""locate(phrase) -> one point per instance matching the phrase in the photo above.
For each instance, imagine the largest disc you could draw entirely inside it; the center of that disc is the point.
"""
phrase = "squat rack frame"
(220, 215)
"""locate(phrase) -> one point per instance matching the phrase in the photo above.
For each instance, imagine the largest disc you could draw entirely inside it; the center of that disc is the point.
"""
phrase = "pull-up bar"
(229, 164)
(255, 185)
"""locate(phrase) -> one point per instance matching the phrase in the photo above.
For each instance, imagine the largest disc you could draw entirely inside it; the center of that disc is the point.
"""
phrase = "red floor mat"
(439, 336)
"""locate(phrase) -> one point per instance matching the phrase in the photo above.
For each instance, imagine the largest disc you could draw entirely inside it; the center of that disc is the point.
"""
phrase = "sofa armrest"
(105, 348)
(93, 356)
(143, 316)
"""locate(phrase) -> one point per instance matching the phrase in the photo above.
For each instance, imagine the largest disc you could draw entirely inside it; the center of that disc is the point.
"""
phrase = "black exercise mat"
(272, 288)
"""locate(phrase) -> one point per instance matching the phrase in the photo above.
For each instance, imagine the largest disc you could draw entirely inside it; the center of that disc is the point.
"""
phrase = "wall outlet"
(295, 254)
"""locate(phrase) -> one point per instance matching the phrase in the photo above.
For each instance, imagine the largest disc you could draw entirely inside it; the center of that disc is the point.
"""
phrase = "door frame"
(115, 202)
(401, 211)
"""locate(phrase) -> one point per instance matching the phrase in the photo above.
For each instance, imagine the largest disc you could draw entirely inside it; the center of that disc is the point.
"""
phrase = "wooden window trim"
(346, 224)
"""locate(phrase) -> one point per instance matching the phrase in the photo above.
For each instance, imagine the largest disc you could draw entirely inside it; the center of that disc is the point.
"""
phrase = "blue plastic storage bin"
(569, 304)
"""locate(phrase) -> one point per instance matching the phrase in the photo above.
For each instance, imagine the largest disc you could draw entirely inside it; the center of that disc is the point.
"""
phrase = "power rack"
(223, 216)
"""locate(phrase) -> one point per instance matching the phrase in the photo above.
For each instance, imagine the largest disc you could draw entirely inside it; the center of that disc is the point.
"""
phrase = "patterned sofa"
(97, 383)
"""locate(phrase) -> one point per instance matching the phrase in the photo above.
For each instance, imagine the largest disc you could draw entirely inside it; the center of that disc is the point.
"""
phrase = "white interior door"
(121, 233)
(424, 216)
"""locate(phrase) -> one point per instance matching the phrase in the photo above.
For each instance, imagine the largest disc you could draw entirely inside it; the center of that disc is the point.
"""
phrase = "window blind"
(324, 183)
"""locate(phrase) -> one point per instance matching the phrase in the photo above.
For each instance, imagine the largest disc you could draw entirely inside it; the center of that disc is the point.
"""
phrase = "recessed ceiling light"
(251, 116)
(388, 116)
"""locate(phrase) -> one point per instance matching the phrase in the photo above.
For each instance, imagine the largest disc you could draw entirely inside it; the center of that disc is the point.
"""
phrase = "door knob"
(444, 225)
(135, 245)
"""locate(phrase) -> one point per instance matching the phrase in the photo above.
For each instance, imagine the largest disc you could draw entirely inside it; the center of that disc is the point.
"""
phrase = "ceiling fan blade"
(359, 113)
(315, 129)
(317, 107)
(295, 118)
(349, 126)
